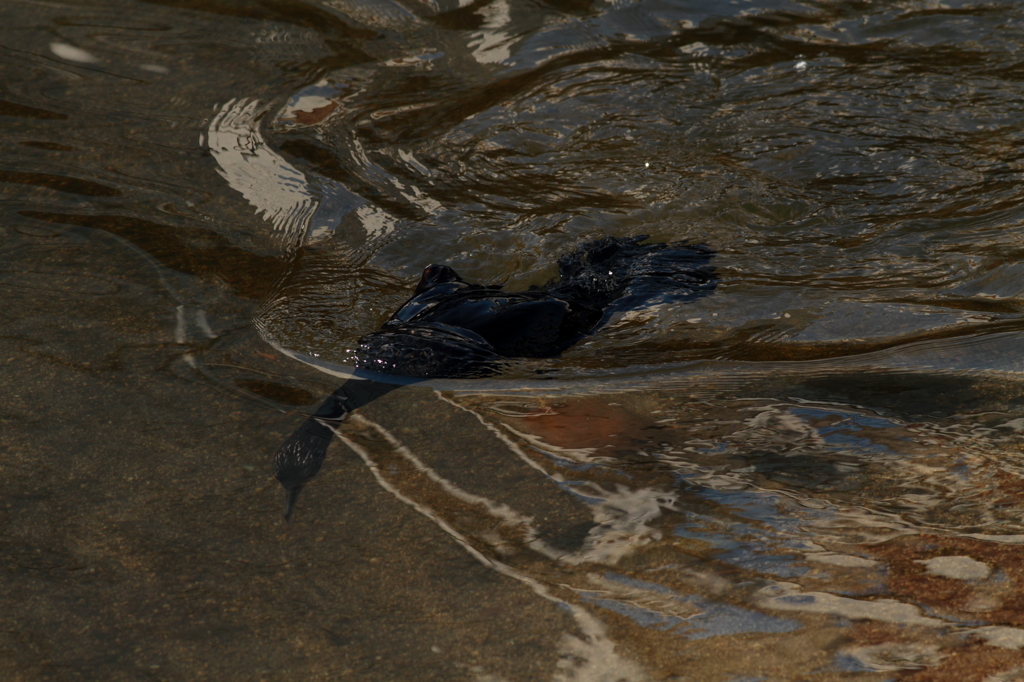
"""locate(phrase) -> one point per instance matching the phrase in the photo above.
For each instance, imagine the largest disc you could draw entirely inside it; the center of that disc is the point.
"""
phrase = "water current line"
(506, 514)
(597, 649)
(500, 435)
(597, 645)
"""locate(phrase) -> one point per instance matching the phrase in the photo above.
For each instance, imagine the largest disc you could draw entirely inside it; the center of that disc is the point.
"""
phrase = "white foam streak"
(1001, 636)
(504, 512)
(72, 53)
(581, 455)
(621, 515)
(509, 443)
(788, 597)
(591, 658)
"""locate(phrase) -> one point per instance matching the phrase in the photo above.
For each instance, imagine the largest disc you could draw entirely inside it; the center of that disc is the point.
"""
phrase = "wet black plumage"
(453, 329)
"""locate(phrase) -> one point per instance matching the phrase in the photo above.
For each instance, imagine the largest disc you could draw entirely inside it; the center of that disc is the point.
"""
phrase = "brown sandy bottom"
(721, 538)
(774, 529)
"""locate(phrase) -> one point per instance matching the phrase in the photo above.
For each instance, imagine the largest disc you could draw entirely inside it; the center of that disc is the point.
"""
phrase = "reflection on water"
(815, 471)
(706, 516)
(833, 179)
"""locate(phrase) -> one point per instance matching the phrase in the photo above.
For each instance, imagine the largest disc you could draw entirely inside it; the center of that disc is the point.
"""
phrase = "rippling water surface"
(815, 471)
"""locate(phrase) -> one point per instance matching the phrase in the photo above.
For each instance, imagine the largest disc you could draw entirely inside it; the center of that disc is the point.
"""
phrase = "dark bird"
(453, 329)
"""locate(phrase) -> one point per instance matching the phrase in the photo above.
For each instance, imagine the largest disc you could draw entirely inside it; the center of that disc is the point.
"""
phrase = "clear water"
(815, 471)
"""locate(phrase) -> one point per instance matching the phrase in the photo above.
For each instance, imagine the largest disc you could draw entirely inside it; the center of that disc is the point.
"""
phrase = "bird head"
(299, 459)
(436, 274)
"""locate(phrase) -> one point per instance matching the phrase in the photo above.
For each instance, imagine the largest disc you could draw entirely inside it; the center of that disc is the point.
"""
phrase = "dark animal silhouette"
(453, 329)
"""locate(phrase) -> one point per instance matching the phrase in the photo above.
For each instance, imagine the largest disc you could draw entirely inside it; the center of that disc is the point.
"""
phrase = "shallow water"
(814, 471)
